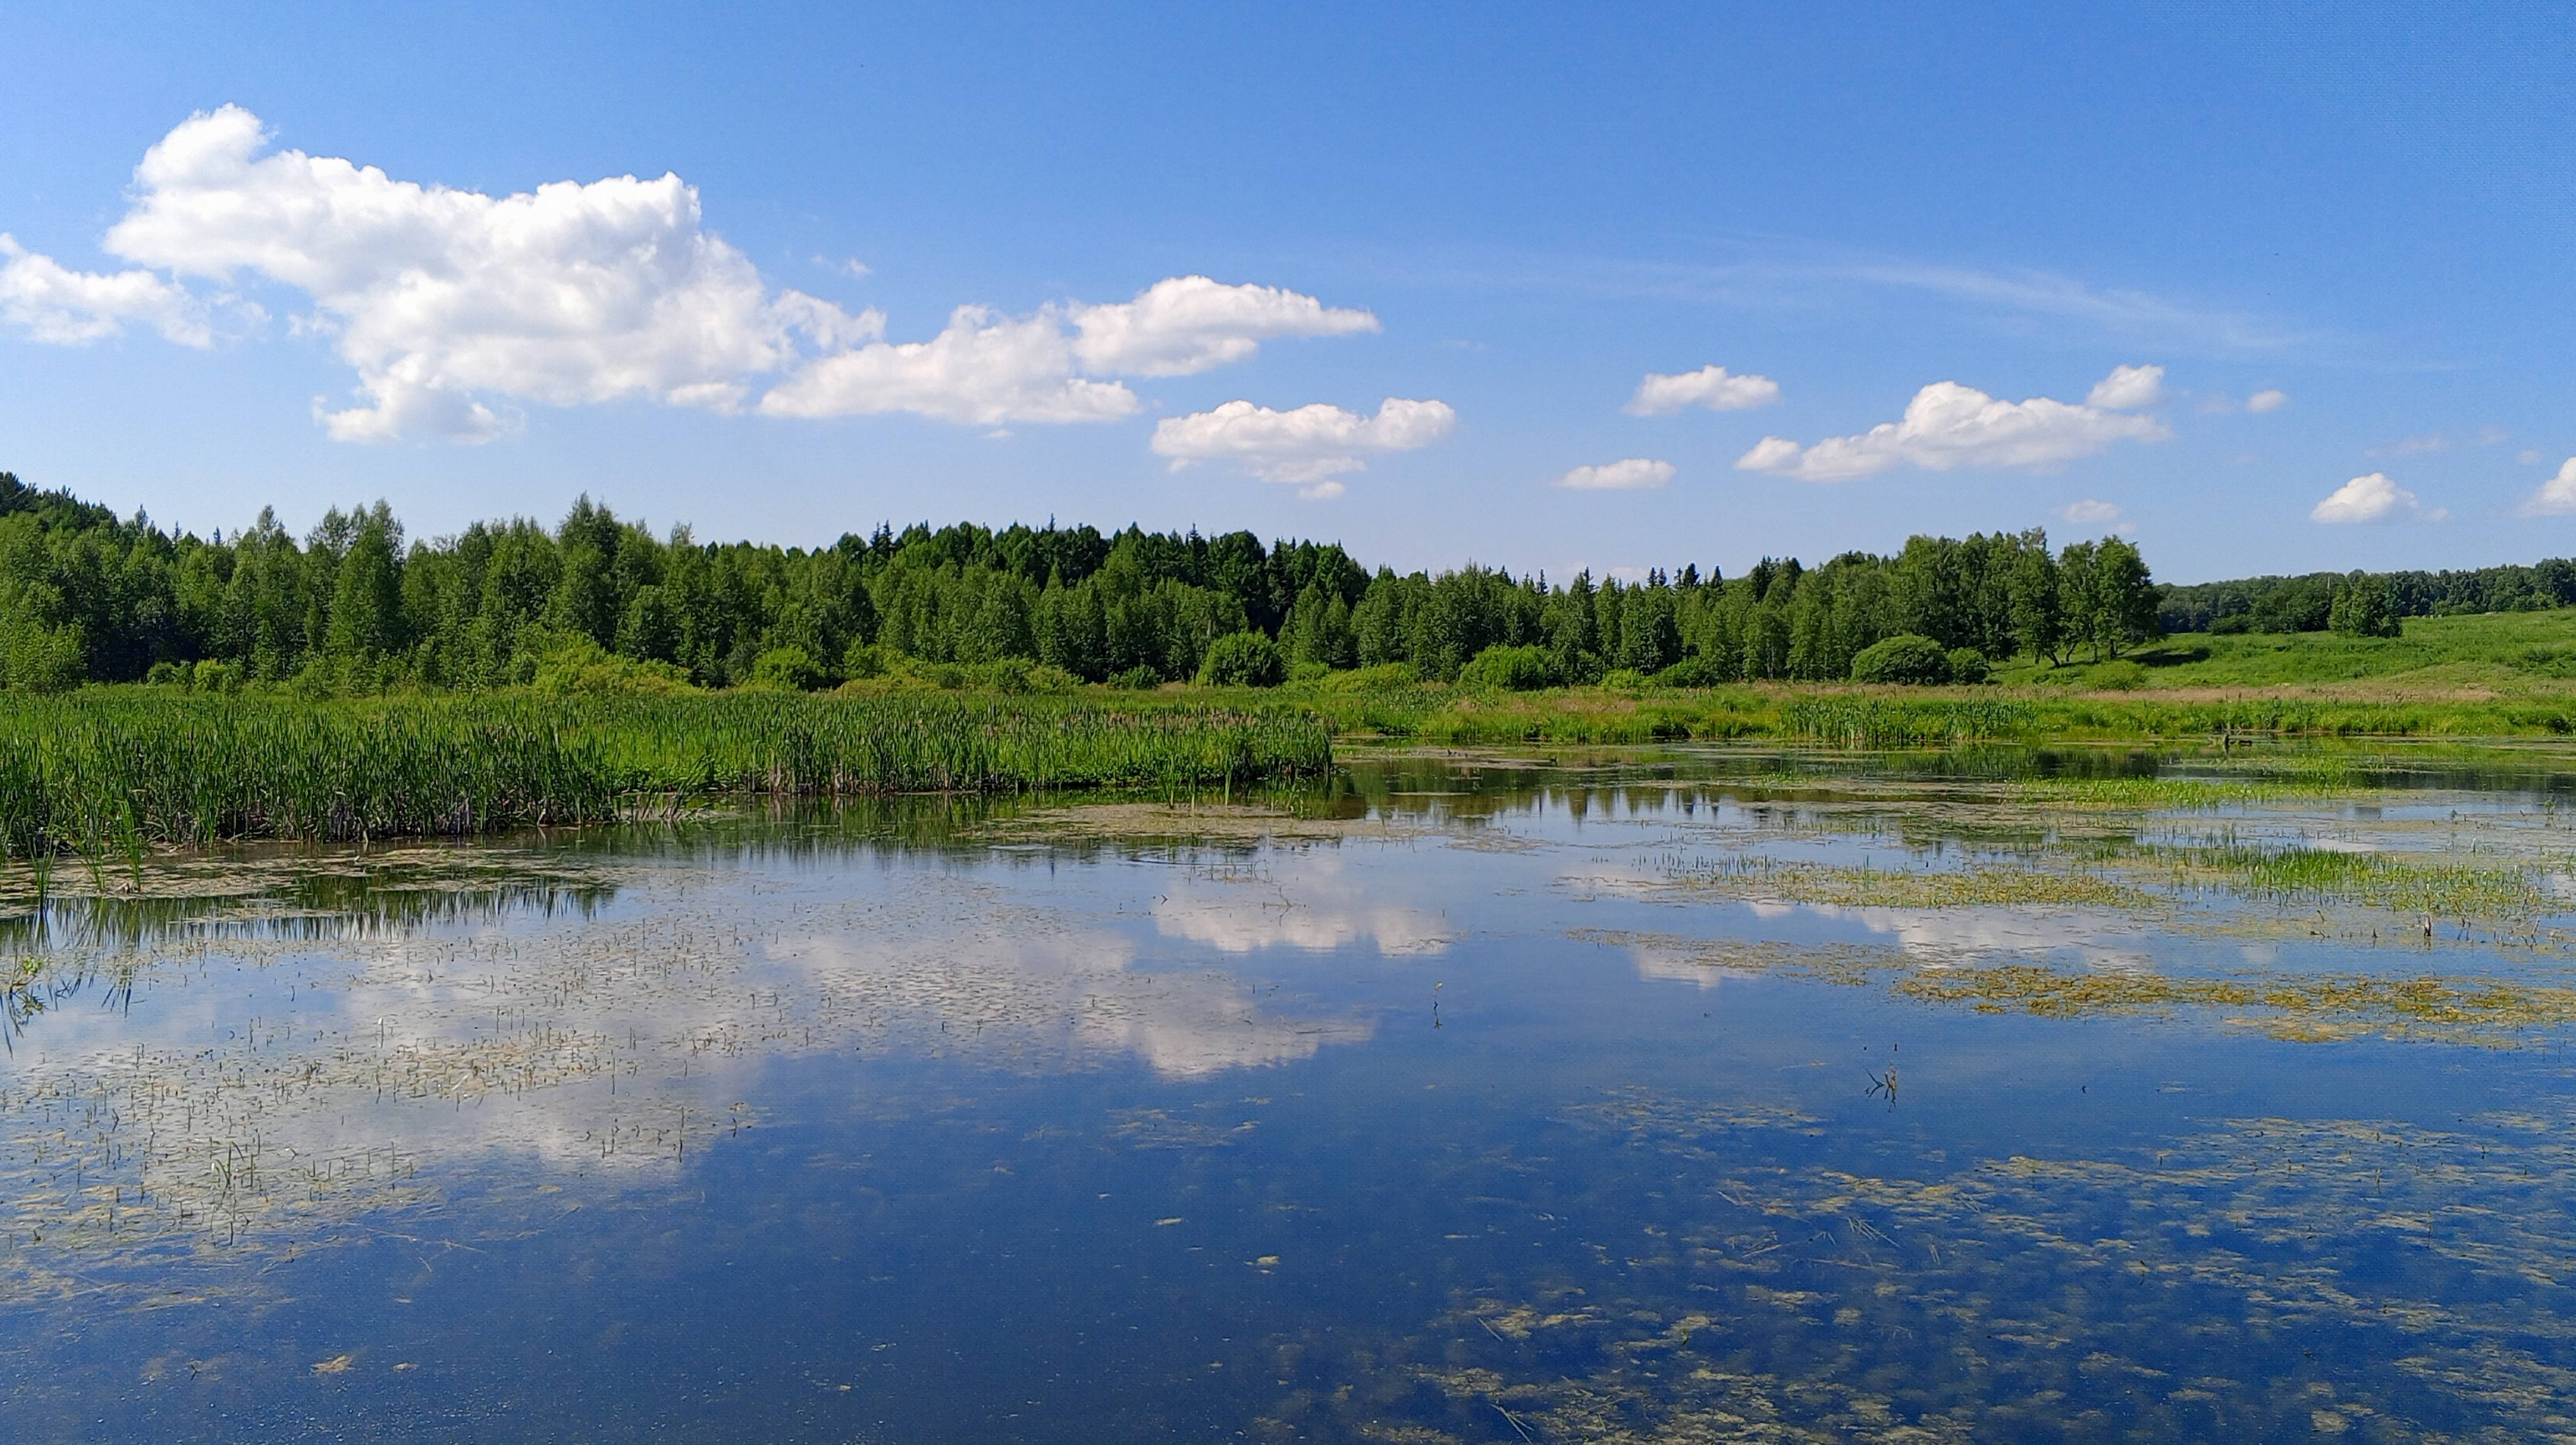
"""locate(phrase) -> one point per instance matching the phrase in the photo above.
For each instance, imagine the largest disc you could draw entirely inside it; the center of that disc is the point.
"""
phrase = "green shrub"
(37, 658)
(1689, 672)
(1968, 665)
(864, 660)
(1514, 669)
(1373, 679)
(2121, 676)
(1243, 659)
(1140, 678)
(1905, 658)
(787, 669)
(580, 665)
(1014, 675)
(1624, 679)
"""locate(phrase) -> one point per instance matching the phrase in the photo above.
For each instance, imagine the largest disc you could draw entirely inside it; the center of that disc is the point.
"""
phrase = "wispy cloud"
(2123, 311)
(1768, 272)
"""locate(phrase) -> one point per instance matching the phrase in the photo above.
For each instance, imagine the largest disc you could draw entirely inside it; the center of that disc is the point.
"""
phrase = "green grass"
(1857, 717)
(2370, 880)
(110, 772)
(2498, 675)
(2503, 651)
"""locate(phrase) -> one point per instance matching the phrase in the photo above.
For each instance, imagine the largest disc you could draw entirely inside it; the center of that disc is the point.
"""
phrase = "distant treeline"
(2308, 604)
(88, 596)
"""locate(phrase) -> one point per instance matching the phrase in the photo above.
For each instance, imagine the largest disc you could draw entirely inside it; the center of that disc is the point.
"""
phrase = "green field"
(2495, 675)
(2501, 652)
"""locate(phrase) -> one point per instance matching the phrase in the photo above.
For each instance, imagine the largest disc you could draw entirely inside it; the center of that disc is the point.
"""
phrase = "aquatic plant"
(108, 775)
(2399, 884)
(1756, 876)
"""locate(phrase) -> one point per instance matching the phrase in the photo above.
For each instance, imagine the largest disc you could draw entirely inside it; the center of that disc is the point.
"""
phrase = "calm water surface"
(1441, 1112)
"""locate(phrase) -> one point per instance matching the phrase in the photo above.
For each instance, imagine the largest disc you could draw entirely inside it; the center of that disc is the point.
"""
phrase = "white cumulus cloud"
(1307, 445)
(439, 298)
(2127, 388)
(2557, 496)
(453, 305)
(1948, 425)
(2372, 498)
(56, 304)
(2090, 513)
(985, 369)
(1632, 474)
(1183, 325)
(2268, 399)
(1710, 386)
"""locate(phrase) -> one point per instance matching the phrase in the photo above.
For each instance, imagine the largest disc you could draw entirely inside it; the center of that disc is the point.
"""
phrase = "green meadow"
(2500, 652)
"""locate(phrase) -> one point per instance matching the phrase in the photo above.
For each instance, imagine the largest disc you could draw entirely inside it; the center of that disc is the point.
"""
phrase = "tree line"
(2364, 603)
(355, 604)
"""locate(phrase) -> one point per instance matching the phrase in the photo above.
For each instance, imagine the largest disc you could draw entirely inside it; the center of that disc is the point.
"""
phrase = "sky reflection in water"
(1469, 1126)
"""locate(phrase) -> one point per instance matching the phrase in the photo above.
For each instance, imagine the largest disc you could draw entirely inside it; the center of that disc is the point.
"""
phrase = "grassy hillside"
(2501, 654)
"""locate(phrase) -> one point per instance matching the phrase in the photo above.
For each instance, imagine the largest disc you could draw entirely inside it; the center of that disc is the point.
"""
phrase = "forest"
(2308, 603)
(355, 606)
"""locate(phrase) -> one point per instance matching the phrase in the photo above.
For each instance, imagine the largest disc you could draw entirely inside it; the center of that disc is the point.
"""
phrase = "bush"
(789, 668)
(1623, 679)
(215, 676)
(1514, 669)
(2119, 676)
(1905, 658)
(1140, 678)
(37, 658)
(1019, 675)
(567, 666)
(1370, 679)
(864, 660)
(1968, 665)
(1243, 659)
(1689, 672)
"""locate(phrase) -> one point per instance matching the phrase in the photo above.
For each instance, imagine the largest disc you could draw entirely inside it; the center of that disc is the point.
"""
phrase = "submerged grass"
(1981, 887)
(2392, 882)
(2300, 1000)
(111, 774)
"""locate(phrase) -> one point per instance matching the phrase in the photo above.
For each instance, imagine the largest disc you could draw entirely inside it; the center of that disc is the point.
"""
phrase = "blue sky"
(1957, 225)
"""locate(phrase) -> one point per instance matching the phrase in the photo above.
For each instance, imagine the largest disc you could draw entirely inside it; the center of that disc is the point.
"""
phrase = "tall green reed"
(106, 775)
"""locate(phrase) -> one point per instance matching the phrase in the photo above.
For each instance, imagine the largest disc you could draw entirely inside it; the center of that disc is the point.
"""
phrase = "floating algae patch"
(282, 890)
(2239, 1283)
(1765, 879)
(1239, 825)
(2184, 794)
(2291, 1006)
(2301, 1006)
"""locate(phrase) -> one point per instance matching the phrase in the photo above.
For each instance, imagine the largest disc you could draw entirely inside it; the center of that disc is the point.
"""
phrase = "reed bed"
(107, 775)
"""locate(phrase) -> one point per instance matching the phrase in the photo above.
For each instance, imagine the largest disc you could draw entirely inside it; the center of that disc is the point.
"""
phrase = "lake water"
(1673, 1097)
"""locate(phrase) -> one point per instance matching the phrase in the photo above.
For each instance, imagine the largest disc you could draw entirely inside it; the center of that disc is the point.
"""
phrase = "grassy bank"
(1909, 717)
(111, 772)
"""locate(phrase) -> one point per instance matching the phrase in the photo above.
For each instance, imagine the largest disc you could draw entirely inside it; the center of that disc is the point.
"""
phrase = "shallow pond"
(1685, 1096)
